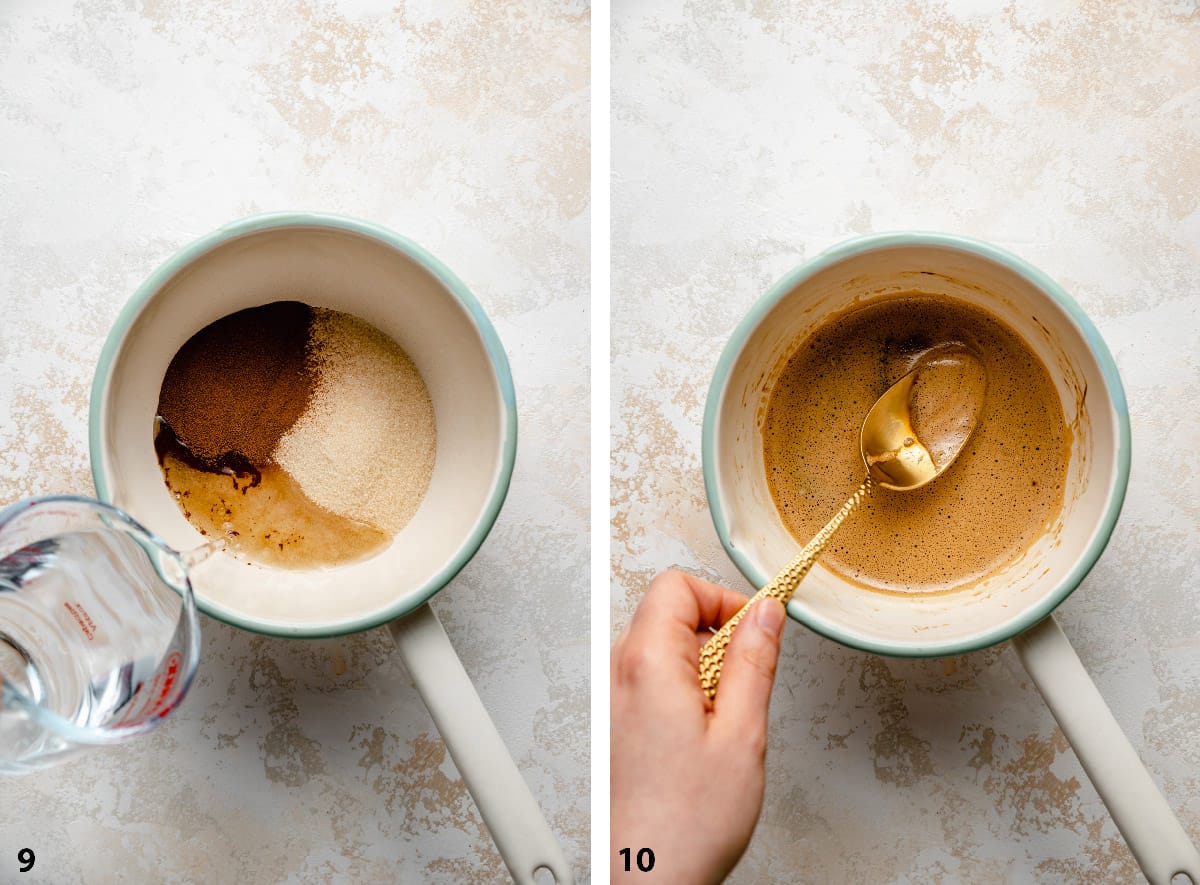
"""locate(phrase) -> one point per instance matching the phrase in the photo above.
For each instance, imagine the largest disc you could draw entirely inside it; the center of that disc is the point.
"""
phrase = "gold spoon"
(911, 435)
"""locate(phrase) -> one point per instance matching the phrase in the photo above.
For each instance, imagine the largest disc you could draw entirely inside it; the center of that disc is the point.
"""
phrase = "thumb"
(749, 673)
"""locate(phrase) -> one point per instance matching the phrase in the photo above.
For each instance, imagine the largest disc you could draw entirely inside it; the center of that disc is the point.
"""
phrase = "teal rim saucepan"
(881, 265)
(388, 280)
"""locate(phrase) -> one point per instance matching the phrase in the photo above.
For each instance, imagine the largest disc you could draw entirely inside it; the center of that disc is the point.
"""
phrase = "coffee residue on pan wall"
(250, 382)
(1005, 489)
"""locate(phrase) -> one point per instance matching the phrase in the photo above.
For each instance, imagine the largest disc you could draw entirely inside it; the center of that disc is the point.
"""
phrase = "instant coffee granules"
(301, 436)
(239, 385)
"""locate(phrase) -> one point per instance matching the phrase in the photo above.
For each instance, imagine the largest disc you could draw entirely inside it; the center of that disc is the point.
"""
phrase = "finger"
(731, 604)
(661, 637)
(740, 708)
(676, 600)
(727, 602)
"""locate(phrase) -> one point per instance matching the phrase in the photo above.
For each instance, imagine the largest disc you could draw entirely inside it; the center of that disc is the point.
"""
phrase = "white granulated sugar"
(364, 447)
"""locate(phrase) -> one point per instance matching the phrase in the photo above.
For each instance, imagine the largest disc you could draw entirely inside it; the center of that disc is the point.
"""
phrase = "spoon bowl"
(918, 427)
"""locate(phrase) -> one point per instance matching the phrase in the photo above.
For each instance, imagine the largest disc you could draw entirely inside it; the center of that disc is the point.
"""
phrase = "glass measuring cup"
(99, 637)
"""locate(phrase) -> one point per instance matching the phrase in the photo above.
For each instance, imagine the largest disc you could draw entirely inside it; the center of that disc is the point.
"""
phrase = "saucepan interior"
(1002, 603)
(361, 269)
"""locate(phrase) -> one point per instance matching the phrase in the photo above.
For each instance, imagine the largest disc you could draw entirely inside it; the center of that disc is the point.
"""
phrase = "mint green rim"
(949, 242)
(294, 220)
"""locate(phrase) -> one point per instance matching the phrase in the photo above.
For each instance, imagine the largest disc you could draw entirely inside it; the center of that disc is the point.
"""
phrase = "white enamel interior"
(916, 624)
(341, 270)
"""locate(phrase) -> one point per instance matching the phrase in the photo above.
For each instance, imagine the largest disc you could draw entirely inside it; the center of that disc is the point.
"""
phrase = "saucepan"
(390, 282)
(1014, 603)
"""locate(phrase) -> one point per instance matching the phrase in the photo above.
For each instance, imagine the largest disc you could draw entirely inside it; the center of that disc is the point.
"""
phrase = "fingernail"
(769, 616)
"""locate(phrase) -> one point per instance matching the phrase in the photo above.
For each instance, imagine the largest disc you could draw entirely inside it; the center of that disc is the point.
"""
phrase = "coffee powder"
(239, 384)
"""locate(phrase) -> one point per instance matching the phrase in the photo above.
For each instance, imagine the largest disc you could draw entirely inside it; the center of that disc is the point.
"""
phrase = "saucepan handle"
(504, 800)
(1154, 835)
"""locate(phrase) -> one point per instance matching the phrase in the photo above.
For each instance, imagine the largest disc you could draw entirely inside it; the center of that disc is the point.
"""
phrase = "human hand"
(686, 772)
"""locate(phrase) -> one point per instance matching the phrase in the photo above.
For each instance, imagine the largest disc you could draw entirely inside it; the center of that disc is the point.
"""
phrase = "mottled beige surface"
(749, 136)
(127, 130)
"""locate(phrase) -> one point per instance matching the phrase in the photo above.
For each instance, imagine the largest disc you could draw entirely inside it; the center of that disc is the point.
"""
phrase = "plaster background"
(749, 136)
(127, 129)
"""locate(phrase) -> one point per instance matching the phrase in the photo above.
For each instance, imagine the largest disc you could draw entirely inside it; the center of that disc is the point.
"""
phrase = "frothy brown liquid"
(1004, 490)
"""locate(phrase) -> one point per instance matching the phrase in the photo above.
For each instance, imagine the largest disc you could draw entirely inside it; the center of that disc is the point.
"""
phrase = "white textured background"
(748, 136)
(126, 130)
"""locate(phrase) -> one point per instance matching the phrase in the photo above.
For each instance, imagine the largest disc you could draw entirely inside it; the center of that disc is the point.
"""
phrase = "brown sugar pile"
(240, 384)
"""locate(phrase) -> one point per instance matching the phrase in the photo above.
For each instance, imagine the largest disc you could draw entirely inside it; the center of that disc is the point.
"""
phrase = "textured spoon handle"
(782, 587)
